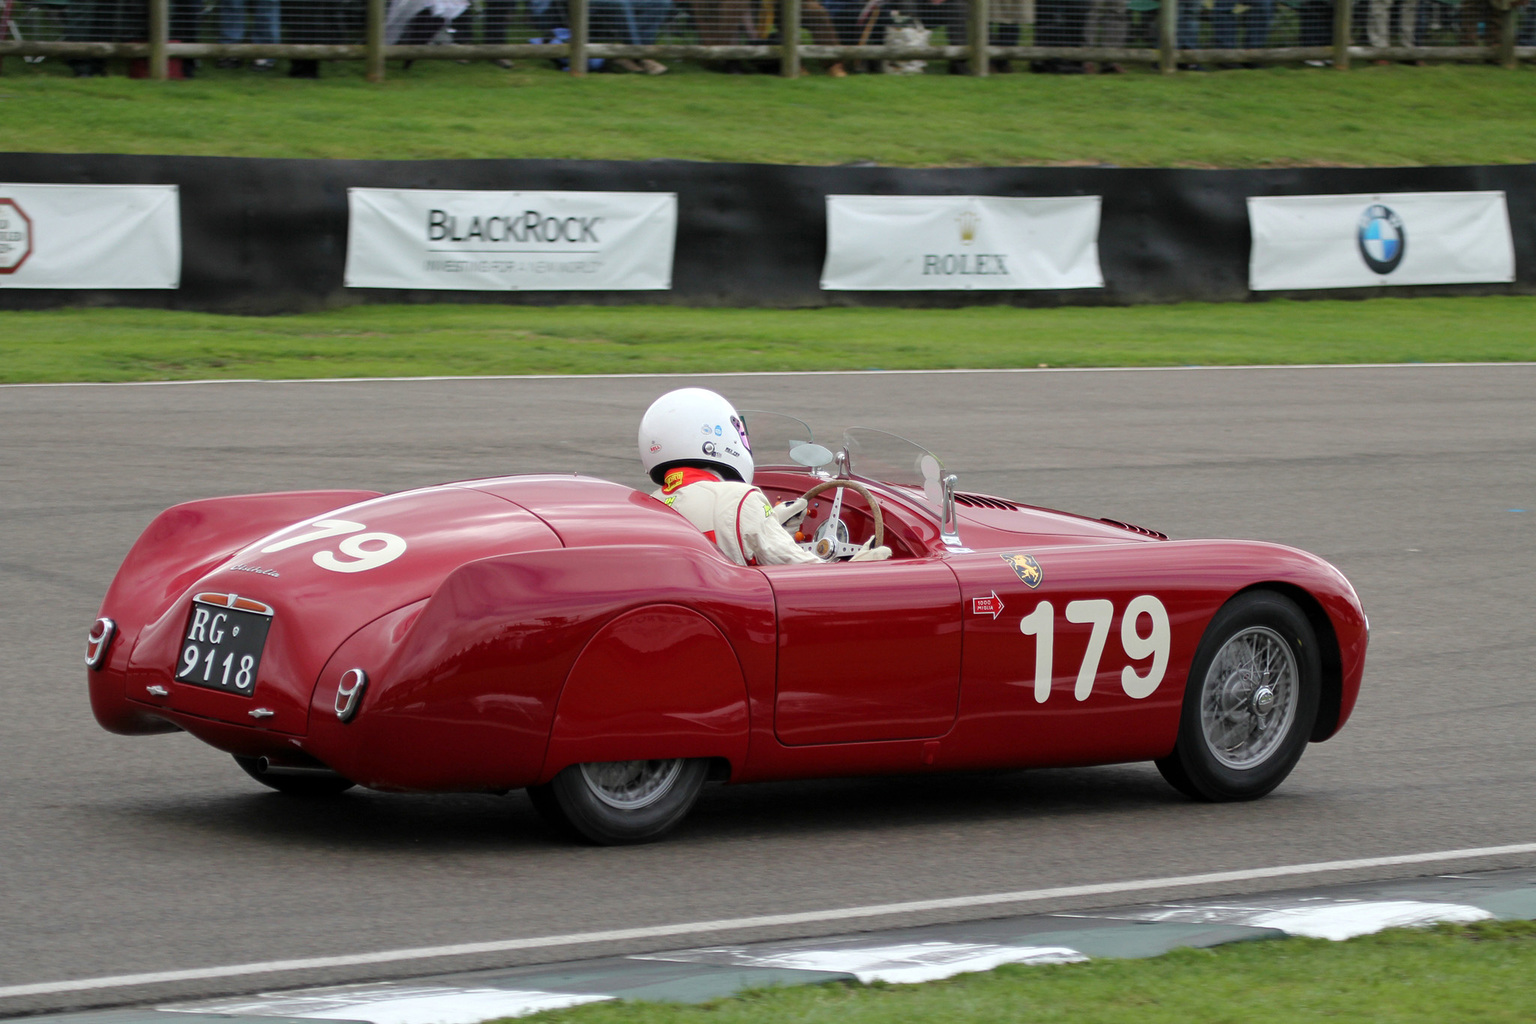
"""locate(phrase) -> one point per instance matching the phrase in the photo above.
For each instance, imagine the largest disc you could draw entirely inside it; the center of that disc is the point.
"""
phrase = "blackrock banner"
(89, 236)
(1362, 241)
(510, 241)
(932, 243)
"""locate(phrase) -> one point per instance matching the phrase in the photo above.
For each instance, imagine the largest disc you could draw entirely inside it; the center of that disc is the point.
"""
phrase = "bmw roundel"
(1382, 238)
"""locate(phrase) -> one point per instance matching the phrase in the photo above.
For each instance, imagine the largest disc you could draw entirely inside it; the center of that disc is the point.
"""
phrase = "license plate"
(222, 648)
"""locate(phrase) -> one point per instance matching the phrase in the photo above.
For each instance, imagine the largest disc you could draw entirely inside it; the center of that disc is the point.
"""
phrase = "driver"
(693, 443)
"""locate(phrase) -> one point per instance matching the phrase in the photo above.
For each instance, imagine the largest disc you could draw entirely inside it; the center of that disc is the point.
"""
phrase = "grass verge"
(1477, 973)
(1282, 116)
(388, 341)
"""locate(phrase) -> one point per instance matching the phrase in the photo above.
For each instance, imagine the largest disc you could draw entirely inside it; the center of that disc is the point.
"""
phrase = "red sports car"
(580, 639)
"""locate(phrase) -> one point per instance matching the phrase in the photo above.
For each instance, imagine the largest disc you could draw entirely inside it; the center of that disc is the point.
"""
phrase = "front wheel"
(616, 802)
(1250, 701)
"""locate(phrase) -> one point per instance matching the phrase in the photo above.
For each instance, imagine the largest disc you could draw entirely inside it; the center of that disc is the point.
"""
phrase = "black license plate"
(222, 648)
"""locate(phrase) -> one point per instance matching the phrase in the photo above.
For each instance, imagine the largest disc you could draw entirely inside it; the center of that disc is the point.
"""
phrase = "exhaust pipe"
(264, 766)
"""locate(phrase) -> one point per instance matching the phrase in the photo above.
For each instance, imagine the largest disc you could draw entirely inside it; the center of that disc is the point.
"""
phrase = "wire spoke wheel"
(613, 802)
(1249, 696)
(631, 785)
(1250, 700)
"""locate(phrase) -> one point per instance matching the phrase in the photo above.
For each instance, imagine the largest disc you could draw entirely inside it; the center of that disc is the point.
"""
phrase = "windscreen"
(889, 458)
(773, 436)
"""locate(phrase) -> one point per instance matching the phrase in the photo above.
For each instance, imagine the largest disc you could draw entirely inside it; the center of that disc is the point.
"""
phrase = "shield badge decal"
(1026, 568)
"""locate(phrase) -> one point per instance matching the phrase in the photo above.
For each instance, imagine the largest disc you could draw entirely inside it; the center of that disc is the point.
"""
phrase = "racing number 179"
(1041, 624)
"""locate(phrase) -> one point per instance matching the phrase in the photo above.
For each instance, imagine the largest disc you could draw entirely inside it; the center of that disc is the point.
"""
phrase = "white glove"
(868, 553)
(790, 513)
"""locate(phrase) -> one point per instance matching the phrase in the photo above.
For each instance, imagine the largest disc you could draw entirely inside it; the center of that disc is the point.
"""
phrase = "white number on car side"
(1099, 613)
(1156, 645)
(361, 551)
(1039, 624)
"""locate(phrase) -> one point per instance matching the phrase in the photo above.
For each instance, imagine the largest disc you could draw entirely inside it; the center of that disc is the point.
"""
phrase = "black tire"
(621, 802)
(1237, 741)
(317, 784)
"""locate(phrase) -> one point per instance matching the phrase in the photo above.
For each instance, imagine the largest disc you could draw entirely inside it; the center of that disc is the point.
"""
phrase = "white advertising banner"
(89, 236)
(510, 241)
(931, 243)
(1362, 241)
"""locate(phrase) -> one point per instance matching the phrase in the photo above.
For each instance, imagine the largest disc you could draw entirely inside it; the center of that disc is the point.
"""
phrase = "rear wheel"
(294, 782)
(616, 802)
(1250, 701)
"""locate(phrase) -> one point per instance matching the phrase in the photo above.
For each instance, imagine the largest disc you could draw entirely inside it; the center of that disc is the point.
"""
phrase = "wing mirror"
(811, 456)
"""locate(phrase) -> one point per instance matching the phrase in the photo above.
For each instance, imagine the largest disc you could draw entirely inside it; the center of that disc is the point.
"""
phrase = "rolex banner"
(89, 236)
(510, 241)
(930, 243)
(1363, 241)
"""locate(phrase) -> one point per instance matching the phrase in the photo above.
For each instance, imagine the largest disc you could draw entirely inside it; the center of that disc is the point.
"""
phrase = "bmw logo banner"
(961, 243)
(475, 240)
(1364, 241)
(90, 236)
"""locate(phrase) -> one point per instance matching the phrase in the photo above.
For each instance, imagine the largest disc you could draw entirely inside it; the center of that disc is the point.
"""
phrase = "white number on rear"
(360, 551)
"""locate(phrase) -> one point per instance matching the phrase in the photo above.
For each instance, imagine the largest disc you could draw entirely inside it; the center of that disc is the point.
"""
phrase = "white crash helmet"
(694, 427)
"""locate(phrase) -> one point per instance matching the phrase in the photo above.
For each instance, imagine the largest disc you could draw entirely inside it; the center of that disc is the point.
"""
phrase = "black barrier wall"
(270, 236)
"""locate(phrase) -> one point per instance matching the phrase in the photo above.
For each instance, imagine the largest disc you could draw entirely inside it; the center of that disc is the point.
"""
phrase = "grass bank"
(1468, 974)
(1284, 116)
(366, 341)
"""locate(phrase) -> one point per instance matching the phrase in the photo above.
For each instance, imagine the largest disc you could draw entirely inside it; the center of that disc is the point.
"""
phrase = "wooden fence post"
(981, 20)
(578, 19)
(1343, 28)
(1167, 36)
(375, 40)
(159, 25)
(789, 39)
(1509, 25)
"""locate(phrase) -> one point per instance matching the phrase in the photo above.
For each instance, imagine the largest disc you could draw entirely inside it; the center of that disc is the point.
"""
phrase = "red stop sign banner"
(15, 236)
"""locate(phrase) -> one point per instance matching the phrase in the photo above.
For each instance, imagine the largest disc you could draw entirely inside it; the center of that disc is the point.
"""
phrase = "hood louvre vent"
(985, 501)
(1135, 529)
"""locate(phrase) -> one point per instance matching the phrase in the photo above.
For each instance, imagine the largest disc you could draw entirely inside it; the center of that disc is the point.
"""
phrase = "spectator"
(417, 22)
(862, 22)
(1187, 36)
(91, 21)
(306, 22)
(1316, 18)
(1060, 23)
(1108, 24)
(1477, 21)
(818, 22)
(496, 18)
(1255, 23)
(636, 22)
(262, 19)
(1008, 18)
(1378, 26)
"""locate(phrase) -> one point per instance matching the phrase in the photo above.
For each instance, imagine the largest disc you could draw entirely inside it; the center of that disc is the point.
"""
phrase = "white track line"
(756, 373)
(764, 921)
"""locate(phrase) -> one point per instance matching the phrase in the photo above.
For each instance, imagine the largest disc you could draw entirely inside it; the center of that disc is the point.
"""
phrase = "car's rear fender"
(466, 698)
(183, 544)
(656, 682)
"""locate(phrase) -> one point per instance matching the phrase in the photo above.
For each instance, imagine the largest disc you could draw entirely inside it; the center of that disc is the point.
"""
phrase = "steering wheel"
(835, 540)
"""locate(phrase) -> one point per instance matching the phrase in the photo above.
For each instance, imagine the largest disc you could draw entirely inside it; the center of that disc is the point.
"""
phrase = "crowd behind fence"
(166, 38)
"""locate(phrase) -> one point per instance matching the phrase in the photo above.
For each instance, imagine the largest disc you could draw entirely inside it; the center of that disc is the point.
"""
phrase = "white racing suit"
(738, 518)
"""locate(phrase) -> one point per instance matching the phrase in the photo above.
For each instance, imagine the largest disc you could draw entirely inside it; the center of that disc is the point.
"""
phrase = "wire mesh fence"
(976, 37)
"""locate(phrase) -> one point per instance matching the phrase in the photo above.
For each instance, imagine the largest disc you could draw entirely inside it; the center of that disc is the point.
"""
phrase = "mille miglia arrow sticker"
(992, 605)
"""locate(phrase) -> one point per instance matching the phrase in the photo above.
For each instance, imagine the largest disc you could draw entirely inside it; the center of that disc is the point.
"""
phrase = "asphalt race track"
(121, 855)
